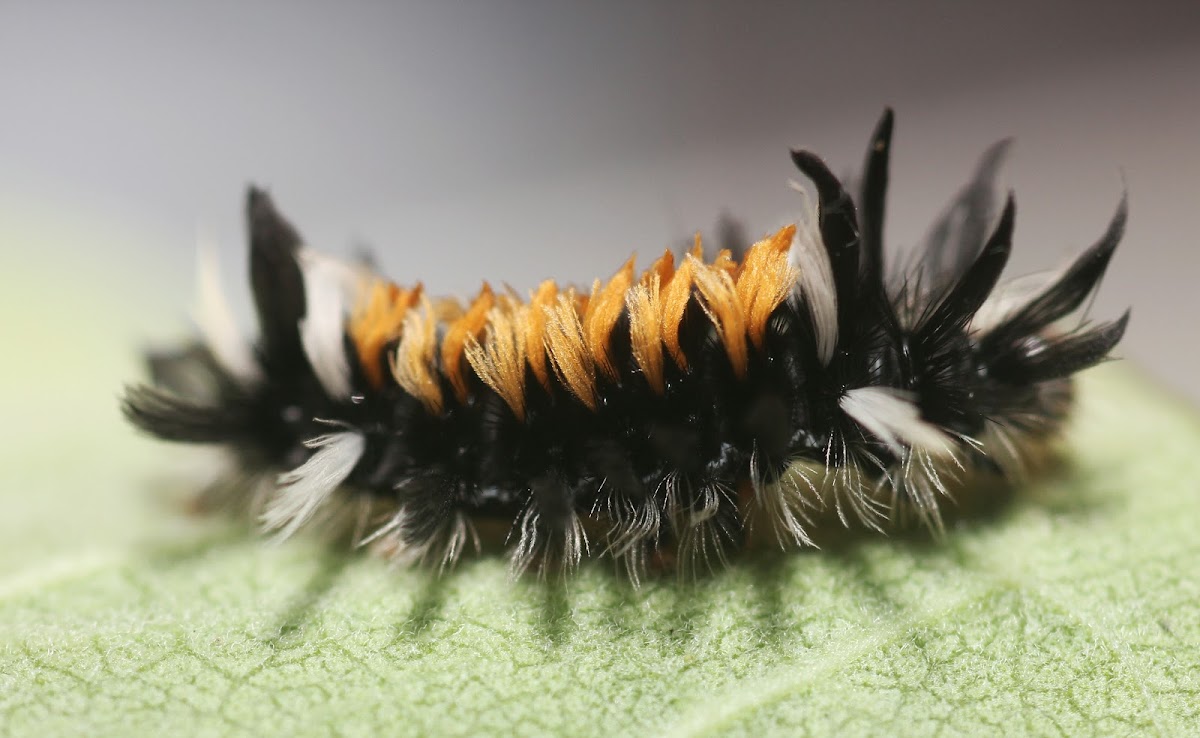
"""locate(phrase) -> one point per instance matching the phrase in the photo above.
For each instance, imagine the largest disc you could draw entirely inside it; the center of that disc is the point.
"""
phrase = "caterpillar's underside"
(673, 412)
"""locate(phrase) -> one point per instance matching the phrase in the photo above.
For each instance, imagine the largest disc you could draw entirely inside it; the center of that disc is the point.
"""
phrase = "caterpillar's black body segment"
(673, 413)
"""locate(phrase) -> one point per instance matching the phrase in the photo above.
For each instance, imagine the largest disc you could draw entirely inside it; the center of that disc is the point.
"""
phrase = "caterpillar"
(668, 416)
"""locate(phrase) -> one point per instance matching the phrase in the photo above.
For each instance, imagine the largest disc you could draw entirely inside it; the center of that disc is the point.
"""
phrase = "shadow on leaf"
(670, 609)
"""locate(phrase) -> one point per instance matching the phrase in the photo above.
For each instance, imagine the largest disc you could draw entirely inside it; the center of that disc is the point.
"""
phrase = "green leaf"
(1073, 610)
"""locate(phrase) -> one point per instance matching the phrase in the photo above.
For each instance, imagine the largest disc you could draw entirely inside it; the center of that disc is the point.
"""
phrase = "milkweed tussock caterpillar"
(668, 413)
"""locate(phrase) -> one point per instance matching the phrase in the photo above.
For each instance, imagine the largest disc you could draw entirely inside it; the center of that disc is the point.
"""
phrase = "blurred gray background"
(522, 140)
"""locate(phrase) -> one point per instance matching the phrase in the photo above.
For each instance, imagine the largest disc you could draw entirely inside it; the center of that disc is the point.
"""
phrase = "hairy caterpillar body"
(667, 414)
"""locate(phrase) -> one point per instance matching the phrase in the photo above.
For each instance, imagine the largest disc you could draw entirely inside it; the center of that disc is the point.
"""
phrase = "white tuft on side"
(815, 285)
(322, 331)
(303, 490)
(216, 322)
(890, 415)
(354, 277)
(1011, 296)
